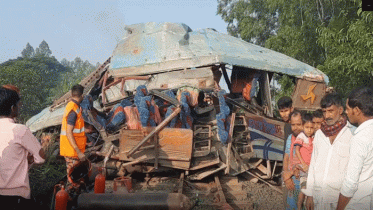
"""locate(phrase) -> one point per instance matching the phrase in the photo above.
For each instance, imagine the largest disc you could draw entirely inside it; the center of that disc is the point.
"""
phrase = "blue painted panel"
(175, 46)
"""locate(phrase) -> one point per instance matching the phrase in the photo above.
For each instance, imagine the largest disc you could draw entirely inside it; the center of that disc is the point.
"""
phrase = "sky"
(91, 29)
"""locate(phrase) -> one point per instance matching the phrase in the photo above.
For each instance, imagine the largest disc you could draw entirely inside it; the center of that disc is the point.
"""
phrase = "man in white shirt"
(357, 186)
(329, 157)
(18, 149)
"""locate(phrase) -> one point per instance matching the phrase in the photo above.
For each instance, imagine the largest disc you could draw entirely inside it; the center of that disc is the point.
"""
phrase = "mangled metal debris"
(157, 103)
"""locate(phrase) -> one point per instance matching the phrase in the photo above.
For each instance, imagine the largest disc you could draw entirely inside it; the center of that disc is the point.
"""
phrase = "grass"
(44, 177)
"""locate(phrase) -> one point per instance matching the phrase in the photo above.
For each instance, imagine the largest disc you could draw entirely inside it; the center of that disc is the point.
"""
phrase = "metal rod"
(269, 171)
(134, 201)
(274, 168)
(103, 88)
(181, 183)
(156, 162)
(136, 161)
(155, 131)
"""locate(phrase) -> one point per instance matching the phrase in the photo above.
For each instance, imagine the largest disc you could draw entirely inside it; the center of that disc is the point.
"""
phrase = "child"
(285, 107)
(303, 150)
(318, 118)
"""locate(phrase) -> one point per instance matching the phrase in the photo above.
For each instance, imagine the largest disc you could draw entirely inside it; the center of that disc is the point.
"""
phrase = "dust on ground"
(239, 192)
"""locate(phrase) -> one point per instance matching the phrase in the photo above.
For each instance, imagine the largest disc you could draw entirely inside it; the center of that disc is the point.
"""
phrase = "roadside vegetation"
(44, 177)
(334, 36)
(41, 77)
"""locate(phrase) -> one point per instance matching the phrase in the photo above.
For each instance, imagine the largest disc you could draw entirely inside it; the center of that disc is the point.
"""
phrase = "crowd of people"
(328, 158)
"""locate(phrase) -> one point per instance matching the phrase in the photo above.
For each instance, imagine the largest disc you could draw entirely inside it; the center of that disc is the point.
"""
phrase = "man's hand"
(342, 201)
(304, 168)
(287, 175)
(290, 184)
(30, 158)
(288, 181)
(309, 203)
(296, 172)
(81, 156)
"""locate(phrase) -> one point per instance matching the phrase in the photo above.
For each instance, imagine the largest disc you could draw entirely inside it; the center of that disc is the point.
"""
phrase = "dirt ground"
(239, 192)
(262, 196)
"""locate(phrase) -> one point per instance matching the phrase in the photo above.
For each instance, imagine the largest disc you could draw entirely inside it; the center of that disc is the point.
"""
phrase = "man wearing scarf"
(329, 157)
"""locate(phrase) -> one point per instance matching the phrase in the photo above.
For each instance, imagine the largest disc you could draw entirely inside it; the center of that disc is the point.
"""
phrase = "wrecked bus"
(170, 57)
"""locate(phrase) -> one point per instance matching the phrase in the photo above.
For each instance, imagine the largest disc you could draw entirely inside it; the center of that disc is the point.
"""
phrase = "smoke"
(109, 20)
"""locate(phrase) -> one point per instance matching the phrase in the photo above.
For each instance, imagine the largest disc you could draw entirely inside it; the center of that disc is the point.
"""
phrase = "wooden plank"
(254, 165)
(269, 171)
(262, 168)
(220, 189)
(223, 200)
(155, 131)
(181, 183)
(267, 183)
(250, 178)
(175, 146)
(204, 174)
(233, 120)
(238, 158)
(205, 163)
(235, 167)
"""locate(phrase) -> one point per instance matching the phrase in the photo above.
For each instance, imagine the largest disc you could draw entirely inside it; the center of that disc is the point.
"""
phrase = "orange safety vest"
(79, 135)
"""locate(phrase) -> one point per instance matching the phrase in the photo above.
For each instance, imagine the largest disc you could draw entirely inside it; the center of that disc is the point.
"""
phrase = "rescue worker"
(72, 139)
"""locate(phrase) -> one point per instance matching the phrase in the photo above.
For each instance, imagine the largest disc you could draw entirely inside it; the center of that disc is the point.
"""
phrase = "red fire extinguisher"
(61, 199)
(100, 183)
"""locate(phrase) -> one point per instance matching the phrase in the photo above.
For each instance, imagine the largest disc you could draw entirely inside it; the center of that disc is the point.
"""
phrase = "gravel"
(262, 196)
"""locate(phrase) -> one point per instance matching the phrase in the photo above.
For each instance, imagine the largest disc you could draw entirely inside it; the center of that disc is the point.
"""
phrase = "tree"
(41, 78)
(333, 35)
(65, 62)
(28, 52)
(43, 49)
(253, 20)
(348, 43)
(76, 71)
(35, 77)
